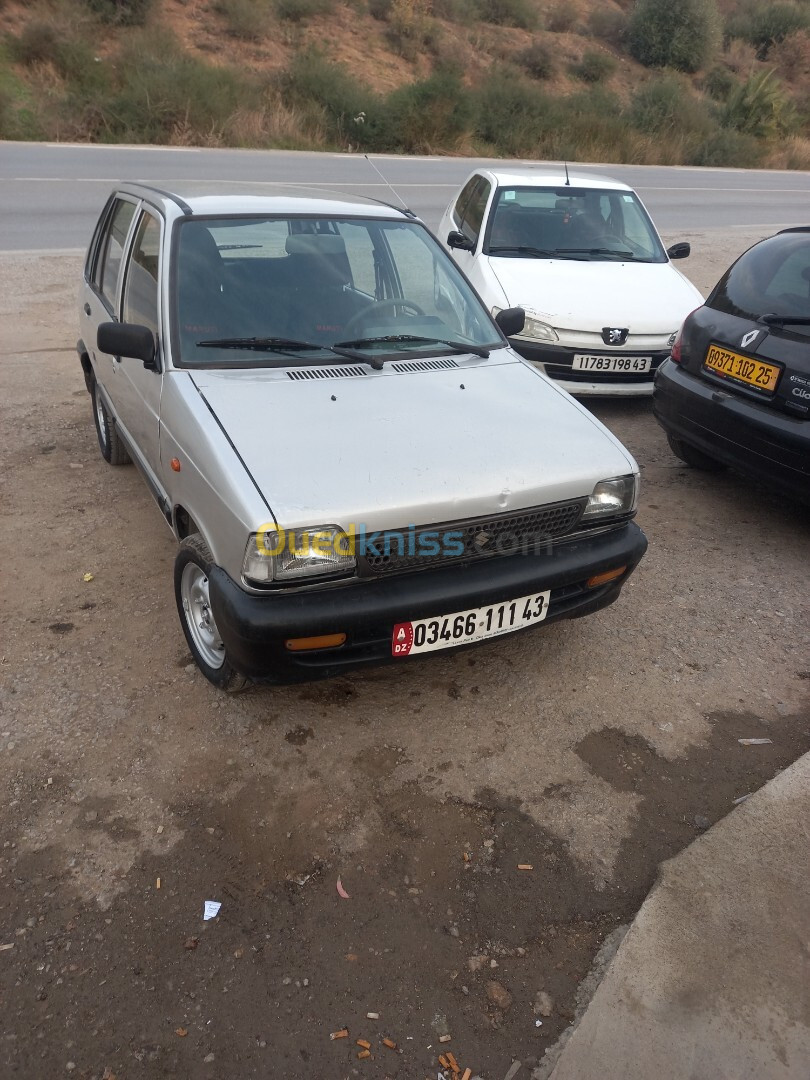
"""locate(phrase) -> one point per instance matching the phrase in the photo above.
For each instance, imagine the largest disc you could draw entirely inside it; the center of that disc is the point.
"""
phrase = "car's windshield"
(276, 290)
(594, 224)
(773, 278)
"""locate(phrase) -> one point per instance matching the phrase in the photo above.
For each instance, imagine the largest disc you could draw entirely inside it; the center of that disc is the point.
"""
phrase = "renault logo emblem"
(748, 338)
(614, 335)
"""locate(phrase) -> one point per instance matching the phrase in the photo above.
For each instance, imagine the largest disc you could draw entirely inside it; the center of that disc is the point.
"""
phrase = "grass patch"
(245, 19)
(519, 13)
(121, 12)
(300, 10)
(537, 60)
(594, 67)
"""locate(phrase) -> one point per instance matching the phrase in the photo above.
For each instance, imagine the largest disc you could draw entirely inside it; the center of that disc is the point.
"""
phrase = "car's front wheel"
(191, 569)
(690, 455)
(110, 442)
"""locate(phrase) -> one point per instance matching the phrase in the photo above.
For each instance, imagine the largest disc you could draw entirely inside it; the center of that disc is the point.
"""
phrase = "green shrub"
(69, 53)
(322, 88)
(165, 94)
(380, 9)
(537, 60)
(428, 115)
(512, 114)
(121, 12)
(674, 33)
(766, 24)
(759, 107)
(664, 107)
(730, 149)
(594, 67)
(455, 10)
(246, 19)
(411, 30)
(609, 26)
(299, 10)
(520, 13)
(719, 82)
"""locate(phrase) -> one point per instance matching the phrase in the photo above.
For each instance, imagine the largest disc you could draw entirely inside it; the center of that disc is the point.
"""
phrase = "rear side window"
(474, 210)
(108, 267)
(772, 278)
(141, 287)
(463, 199)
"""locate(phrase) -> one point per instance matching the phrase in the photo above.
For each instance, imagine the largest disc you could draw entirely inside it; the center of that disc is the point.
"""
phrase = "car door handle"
(87, 310)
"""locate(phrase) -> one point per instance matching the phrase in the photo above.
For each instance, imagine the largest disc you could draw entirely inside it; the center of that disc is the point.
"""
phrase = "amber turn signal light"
(325, 641)
(604, 578)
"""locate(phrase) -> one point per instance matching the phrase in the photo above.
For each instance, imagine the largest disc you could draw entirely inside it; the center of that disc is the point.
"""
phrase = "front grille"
(460, 542)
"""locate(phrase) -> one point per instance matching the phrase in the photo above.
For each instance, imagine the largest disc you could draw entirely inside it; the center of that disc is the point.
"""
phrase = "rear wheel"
(191, 589)
(692, 456)
(110, 442)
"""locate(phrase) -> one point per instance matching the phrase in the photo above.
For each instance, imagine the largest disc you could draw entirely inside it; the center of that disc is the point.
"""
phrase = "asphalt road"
(50, 194)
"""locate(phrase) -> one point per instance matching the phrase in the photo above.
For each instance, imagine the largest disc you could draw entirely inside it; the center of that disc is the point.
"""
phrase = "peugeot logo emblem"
(614, 335)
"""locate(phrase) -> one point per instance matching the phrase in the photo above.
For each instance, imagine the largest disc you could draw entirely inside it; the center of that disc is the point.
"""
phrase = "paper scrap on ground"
(211, 909)
(754, 742)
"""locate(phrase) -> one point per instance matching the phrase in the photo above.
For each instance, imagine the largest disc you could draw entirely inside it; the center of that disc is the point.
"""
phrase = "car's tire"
(692, 456)
(110, 443)
(191, 569)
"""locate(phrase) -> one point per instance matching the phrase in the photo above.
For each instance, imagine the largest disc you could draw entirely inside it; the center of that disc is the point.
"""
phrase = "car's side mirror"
(680, 251)
(130, 340)
(511, 320)
(457, 239)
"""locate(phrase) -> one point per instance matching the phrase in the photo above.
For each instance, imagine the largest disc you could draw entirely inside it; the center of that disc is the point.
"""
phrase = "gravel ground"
(133, 791)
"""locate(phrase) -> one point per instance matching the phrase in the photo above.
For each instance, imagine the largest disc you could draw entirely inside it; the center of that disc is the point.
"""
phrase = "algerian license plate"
(466, 627)
(730, 365)
(633, 365)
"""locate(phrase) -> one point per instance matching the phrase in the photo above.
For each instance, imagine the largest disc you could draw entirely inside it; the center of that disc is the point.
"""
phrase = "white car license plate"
(633, 365)
(465, 627)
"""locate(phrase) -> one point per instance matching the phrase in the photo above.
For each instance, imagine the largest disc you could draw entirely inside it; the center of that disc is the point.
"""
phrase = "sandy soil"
(133, 791)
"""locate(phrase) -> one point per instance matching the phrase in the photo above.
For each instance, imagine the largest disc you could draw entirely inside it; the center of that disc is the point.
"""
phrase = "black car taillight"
(675, 353)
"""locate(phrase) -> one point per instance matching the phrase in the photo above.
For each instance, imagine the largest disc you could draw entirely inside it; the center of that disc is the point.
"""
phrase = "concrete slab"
(712, 979)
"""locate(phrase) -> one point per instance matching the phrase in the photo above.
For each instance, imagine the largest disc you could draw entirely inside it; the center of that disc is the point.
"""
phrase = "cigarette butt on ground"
(525, 866)
(342, 1034)
(373, 1016)
(445, 1038)
(445, 1064)
(157, 885)
(467, 1074)
(364, 1054)
(390, 1044)
(453, 1063)
(364, 1043)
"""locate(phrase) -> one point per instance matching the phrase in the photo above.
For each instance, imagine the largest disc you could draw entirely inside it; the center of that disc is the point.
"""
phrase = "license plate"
(731, 365)
(633, 365)
(466, 627)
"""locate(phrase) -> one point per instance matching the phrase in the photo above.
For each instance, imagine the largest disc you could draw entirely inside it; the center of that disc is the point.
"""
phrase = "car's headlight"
(612, 498)
(275, 554)
(534, 329)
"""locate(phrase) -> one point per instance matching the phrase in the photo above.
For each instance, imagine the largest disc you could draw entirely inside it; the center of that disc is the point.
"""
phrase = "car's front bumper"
(556, 361)
(771, 446)
(255, 628)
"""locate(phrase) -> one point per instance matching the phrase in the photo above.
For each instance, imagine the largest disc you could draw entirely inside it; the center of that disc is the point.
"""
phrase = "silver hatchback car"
(356, 465)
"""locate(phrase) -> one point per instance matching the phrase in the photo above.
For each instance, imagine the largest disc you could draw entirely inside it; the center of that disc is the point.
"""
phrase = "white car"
(582, 257)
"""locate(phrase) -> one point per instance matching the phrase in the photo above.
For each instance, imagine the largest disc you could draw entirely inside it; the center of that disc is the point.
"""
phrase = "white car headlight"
(612, 498)
(275, 554)
(534, 329)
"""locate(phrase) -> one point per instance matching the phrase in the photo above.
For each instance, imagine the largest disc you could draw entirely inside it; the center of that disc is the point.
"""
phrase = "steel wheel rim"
(199, 616)
(101, 416)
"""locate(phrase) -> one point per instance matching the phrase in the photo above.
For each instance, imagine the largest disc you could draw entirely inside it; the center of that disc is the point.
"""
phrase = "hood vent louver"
(408, 366)
(307, 374)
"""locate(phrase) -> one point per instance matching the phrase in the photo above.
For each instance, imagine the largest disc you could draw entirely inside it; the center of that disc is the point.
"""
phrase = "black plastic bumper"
(557, 361)
(255, 628)
(771, 446)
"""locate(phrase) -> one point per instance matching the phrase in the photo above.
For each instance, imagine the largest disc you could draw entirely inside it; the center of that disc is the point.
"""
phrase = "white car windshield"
(571, 223)
(261, 291)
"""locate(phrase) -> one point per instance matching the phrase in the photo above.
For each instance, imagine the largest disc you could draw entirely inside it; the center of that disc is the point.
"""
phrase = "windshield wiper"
(459, 347)
(783, 320)
(539, 253)
(600, 251)
(287, 345)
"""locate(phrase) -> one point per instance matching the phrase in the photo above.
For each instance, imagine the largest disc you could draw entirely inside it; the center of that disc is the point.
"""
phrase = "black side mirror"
(511, 320)
(680, 251)
(457, 239)
(128, 339)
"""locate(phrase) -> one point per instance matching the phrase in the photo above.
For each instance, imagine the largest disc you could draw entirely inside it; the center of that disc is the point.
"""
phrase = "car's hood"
(387, 449)
(648, 298)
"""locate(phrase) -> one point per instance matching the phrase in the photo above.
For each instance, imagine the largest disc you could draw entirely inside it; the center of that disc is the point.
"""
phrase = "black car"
(736, 389)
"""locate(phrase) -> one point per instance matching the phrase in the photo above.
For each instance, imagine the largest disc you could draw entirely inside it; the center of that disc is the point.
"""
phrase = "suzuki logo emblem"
(748, 338)
(614, 335)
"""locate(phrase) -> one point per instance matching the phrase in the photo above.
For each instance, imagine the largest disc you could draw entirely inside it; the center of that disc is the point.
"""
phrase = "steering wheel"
(378, 308)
